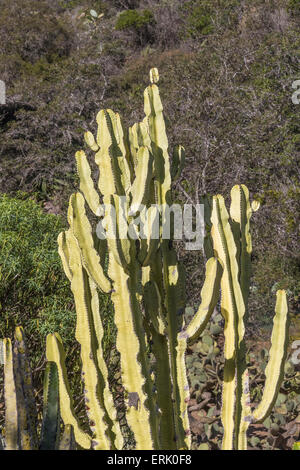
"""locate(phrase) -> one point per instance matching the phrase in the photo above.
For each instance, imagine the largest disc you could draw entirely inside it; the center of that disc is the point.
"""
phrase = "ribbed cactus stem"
(232, 245)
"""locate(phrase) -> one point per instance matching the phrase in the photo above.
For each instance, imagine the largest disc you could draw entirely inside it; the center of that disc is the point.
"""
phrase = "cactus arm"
(155, 121)
(106, 398)
(209, 297)
(154, 114)
(82, 230)
(156, 324)
(138, 137)
(90, 141)
(157, 130)
(173, 287)
(177, 162)
(64, 254)
(149, 244)
(114, 175)
(163, 384)
(240, 212)
(133, 142)
(208, 250)
(10, 397)
(245, 417)
(143, 135)
(119, 247)
(131, 346)
(55, 353)
(232, 308)
(86, 183)
(140, 187)
(153, 307)
(109, 179)
(275, 367)
(51, 415)
(124, 161)
(85, 296)
(184, 390)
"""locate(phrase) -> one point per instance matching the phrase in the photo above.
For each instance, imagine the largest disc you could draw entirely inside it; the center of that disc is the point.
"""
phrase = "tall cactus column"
(171, 270)
(232, 246)
(143, 277)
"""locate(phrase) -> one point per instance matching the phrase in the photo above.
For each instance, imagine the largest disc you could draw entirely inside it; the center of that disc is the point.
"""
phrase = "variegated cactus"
(232, 246)
(145, 281)
(146, 284)
(21, 419)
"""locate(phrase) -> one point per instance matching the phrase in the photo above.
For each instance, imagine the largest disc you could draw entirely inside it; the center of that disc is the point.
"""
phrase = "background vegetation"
(226, 69)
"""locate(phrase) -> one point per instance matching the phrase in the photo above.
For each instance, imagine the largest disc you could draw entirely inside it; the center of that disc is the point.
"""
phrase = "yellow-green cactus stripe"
(106, 396)
(184, 388)
(82, 230)
(84, 334)
(86, 183)
(231, 302)
(245, 417)
(149, 244)
(106, 182)
(209, 297)
(154, 117)
(240, 212)
(124, 165)
(114, 175)
(275, 367)
(116, 233)
(172, 277)
(140, 187)
(128, 345)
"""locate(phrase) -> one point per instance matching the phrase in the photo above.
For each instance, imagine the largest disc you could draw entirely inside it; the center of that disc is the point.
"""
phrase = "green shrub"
(134, 19)
(34, 291)
(199, 21)
(294, 6)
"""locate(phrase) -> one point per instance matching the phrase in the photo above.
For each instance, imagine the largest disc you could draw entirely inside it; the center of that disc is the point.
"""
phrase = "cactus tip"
(154, 76)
